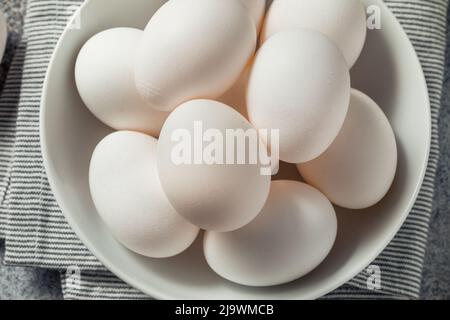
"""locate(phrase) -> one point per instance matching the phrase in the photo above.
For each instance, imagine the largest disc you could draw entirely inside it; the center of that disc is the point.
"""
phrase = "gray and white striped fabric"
(38, 235)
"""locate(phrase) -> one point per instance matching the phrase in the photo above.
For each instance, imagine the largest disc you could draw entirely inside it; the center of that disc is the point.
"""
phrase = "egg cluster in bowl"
(285, 72)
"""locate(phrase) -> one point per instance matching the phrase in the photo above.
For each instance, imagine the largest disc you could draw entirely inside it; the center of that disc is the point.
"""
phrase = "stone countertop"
(31, 283)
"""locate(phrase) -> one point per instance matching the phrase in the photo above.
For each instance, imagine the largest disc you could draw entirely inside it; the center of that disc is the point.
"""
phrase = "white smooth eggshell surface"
(300, 85)
(105, 80)
(358, 169)
(290, 237)
(214, 195)
(193, 49)
(128, 196)
(343, 21)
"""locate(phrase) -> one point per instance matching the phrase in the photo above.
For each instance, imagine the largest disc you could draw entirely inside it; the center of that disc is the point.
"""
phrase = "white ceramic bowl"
(388, 71)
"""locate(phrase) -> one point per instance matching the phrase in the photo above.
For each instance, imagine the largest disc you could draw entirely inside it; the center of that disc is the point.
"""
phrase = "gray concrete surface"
(17, 283)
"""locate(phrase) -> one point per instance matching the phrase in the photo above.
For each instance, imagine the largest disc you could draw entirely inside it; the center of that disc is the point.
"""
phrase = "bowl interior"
(388, 71)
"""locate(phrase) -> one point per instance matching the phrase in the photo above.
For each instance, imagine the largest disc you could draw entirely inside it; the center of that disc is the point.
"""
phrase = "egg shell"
(3, 34)
(293, 234)
(300, 85)
(193, 49)
(105, 80)
(212, 195)
(128, 196)
(257, 9)
(343, 21)
(358, 169)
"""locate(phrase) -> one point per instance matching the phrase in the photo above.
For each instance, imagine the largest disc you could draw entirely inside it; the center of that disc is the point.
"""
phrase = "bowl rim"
(158, 294)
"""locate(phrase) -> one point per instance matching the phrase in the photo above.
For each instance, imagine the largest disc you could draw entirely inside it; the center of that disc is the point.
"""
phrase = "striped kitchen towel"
(38, 235)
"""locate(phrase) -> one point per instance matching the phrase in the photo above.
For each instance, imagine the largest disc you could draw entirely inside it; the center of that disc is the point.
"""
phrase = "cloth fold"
(37, 233)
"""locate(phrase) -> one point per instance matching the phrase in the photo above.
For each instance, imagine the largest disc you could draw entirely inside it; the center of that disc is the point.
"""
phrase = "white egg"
(293, 234)
(128, 196)
(199, 167)
(3, 34)
(105, 80)
(257, 9)
(300, 85)
(193, 49)
(343, 21)
(358, 169)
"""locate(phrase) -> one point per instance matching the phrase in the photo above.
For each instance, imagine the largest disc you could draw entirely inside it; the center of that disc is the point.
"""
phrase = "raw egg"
(193, 49)
(128, 196)
(343, 21)
(300, 85)
(210, 165)
(290, 237)
(358, 169)
(105, 80)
